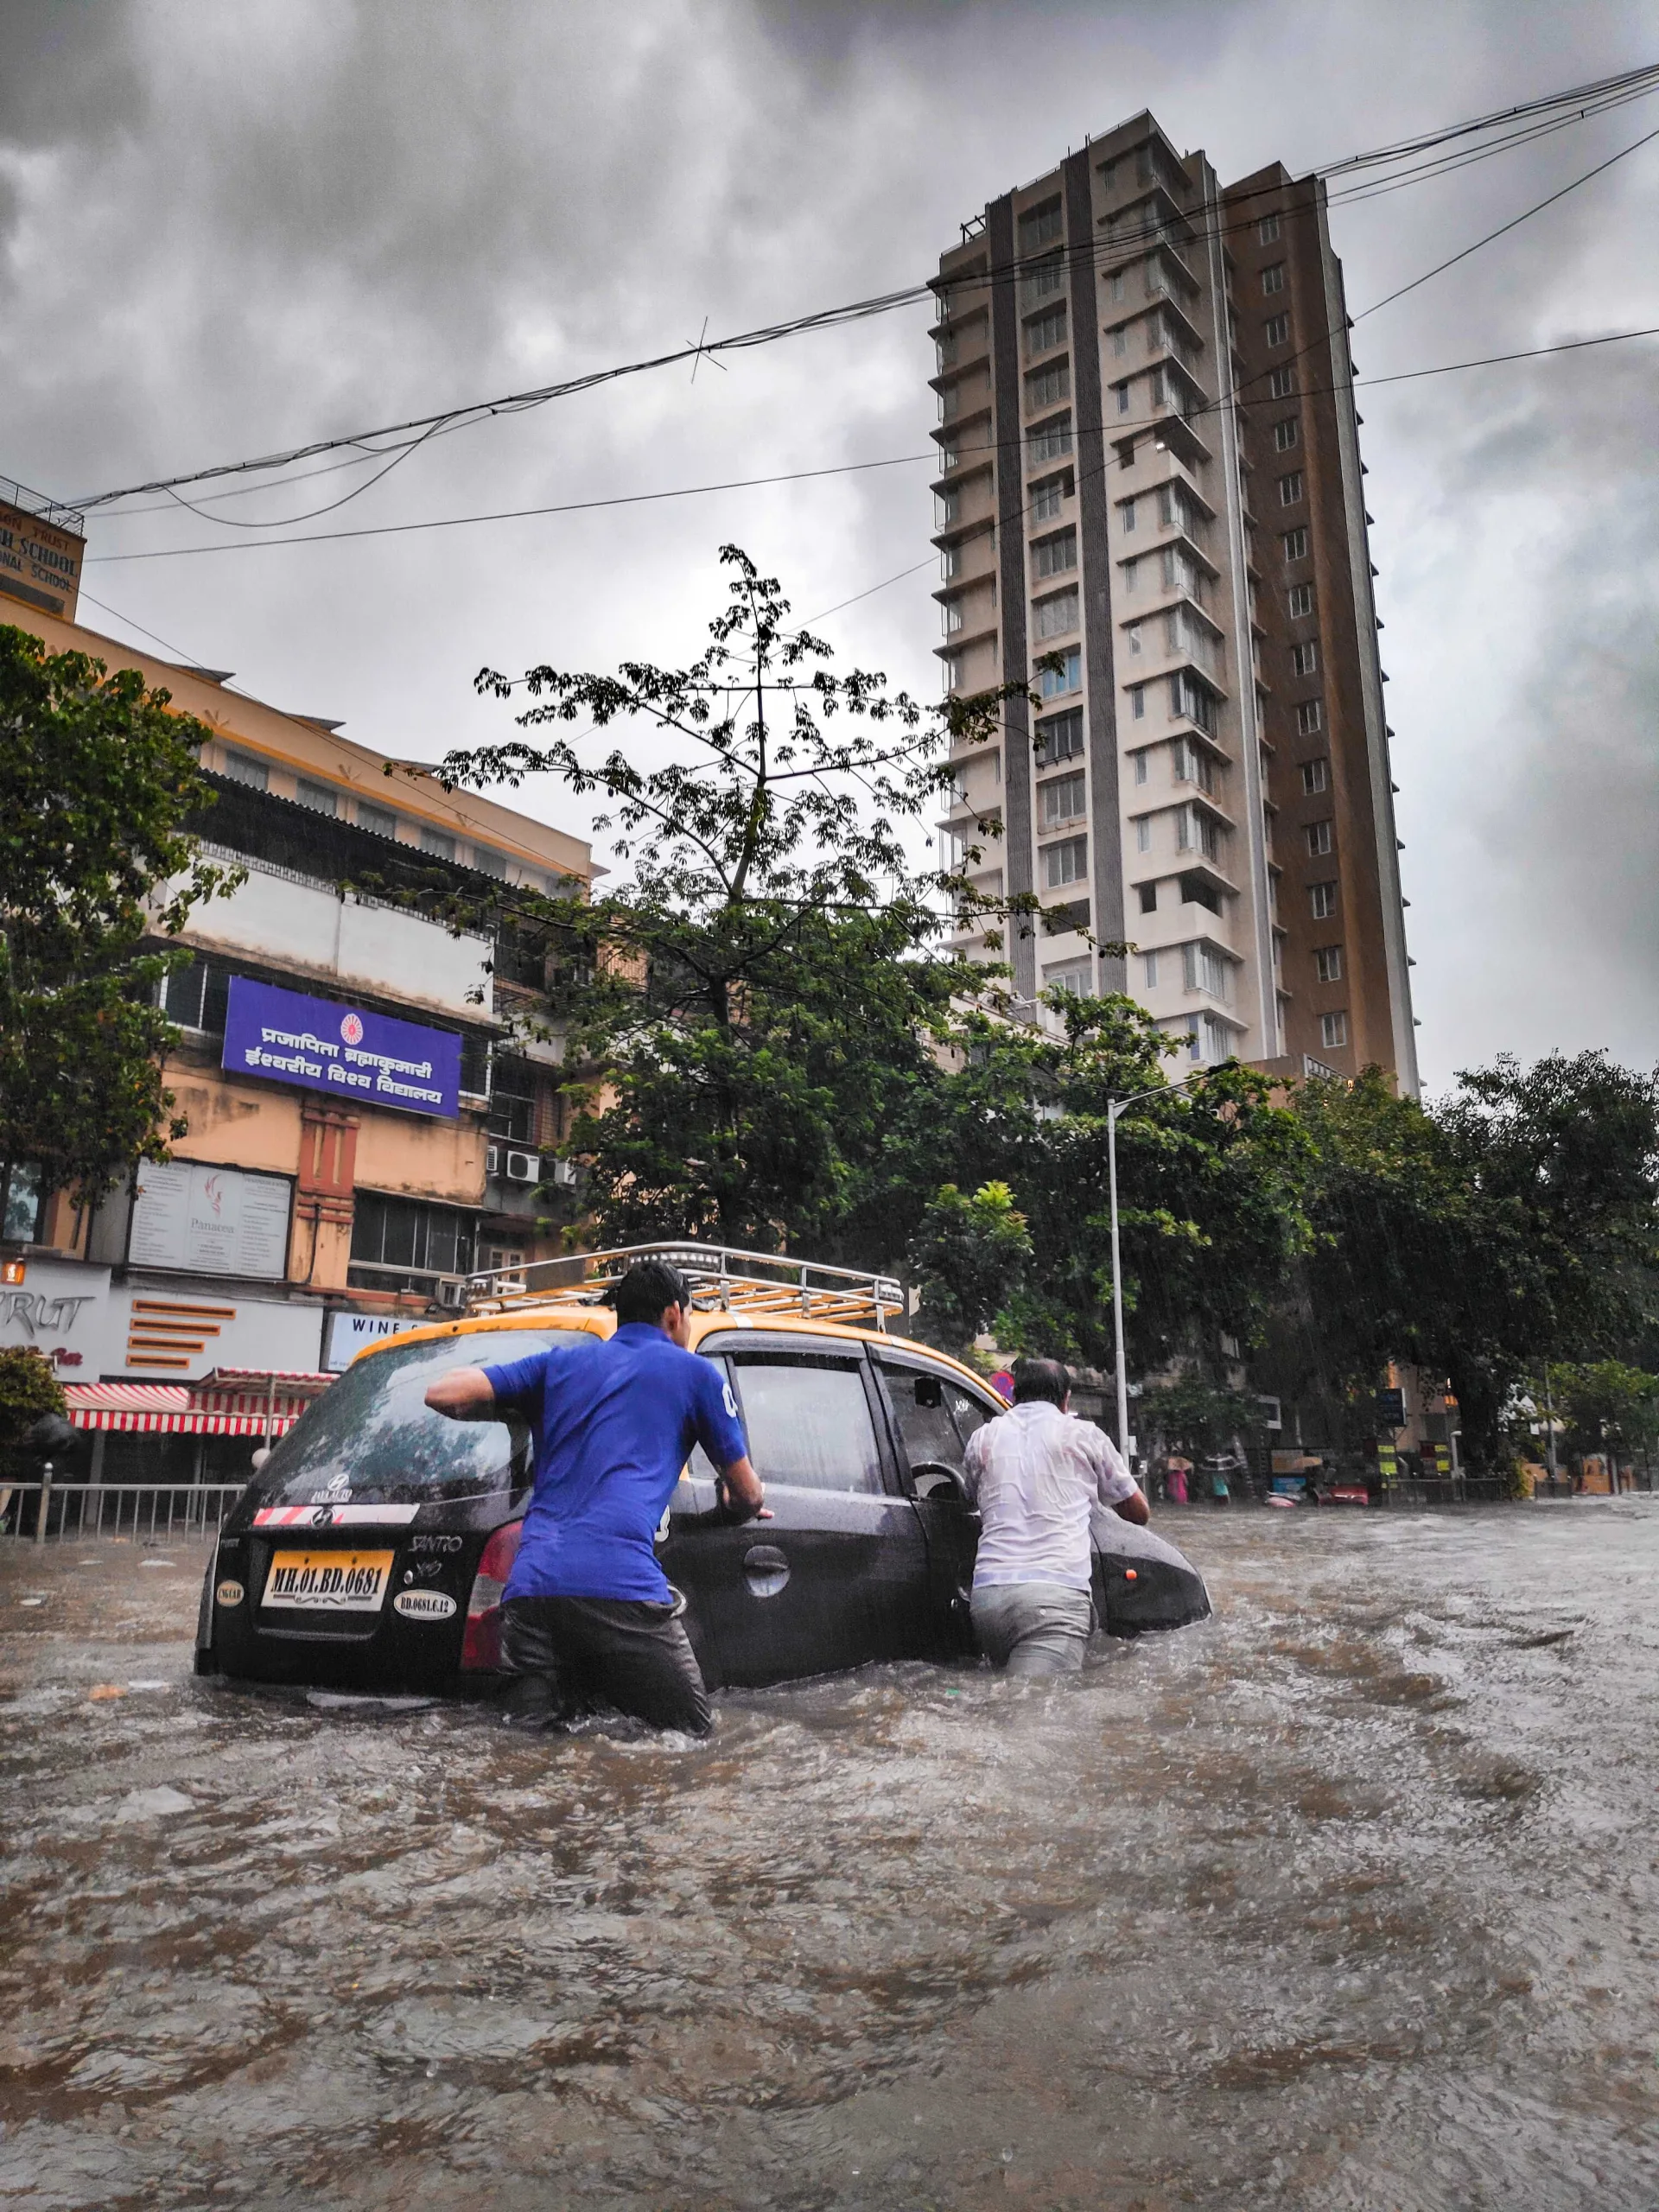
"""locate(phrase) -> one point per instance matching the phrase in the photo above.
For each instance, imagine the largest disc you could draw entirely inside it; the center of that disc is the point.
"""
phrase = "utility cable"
(1606, 90)
(808, 475)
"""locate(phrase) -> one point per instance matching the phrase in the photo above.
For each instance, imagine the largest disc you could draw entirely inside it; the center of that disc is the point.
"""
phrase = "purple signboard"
(364, 1058)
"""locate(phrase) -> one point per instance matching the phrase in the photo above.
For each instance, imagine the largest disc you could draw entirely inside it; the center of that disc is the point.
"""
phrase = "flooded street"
(1344, 1898)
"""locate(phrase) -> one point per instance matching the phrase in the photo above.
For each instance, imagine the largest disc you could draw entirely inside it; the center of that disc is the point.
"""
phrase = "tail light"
(480, 1644)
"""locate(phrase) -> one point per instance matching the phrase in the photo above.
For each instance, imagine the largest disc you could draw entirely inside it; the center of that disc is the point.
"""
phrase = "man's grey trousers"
(1033, 1627)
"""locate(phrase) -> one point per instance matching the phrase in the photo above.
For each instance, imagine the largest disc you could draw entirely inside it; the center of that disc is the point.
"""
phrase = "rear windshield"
(374, 1428)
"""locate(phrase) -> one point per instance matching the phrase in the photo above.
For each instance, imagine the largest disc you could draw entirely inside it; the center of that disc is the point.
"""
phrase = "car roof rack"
(721, 1280)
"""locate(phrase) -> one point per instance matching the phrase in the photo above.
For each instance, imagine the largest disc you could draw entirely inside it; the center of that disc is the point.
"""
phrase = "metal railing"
(719, 1279)
(144, 1513)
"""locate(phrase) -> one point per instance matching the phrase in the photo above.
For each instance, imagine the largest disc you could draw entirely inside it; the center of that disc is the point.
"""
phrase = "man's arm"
(740, 1492)
(463, 1394)
(1117, 1487)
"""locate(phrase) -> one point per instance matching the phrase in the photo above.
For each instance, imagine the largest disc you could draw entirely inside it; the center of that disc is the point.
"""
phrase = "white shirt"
(1035, 1473)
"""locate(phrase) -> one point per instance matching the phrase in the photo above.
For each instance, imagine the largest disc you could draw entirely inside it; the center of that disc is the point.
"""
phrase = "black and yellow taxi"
(371, 1548)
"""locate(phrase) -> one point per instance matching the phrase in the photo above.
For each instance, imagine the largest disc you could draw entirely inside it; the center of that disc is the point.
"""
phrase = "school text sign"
(369, 1059)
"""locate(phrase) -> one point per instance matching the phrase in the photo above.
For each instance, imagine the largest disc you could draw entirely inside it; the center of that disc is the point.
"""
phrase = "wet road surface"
(1346, 1898)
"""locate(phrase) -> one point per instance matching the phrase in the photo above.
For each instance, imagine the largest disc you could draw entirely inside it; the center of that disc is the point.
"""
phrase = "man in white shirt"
(1036, 1474)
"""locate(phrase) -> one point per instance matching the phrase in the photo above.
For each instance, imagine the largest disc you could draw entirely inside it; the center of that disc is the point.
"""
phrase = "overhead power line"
(1582, 100)
(805, 476)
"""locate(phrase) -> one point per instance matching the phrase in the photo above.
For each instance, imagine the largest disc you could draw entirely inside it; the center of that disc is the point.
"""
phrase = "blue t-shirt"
(613, 1422)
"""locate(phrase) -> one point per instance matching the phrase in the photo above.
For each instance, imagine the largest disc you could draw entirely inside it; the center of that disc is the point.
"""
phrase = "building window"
(1048, 498)
(1051, 556)
(1328, 963)
(438, 842)
(1137, 702)
(512, 1102)
(1285, 434)
(1071, 976)
(1275, 330)
(1046, 331)
(1055, 682)
(380, 820)
(1191, 764)
(1062, 800)
(1334, 1029)
(1188, 698)
(1304, 658)
(1123, 391)
(1148, 898)
(1066, 862)
(1055, 616)
(1301, 599)
(1308, 718)
(947, 507)
(1039, 226)
(950, 671)
(1131, 573)
(1133, 635)
(402, 1240)
(1273, 279)
(1149, 970)
(1322, 900)
(950, 453)
(1281, 383)
(1120, 339)
(1126, 509)
(1290, 488)
(1295, 543)
(1140, 768)
(1268, 229)
(321, 798)
(196, 997)
(1047, 278)
(1313, 777)
(1204, 969)
(1060, 739)
(21, 1197)
(1044, 387)
(244, 768)
(1048, 441)
(1318, 838)
(1144, 833)
(950, 618)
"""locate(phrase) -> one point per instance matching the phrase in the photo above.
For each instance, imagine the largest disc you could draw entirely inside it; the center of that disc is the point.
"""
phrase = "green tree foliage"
(1512, 1222)
(762, 988)
(97, 777)
(794, 1058)
(1195, 1416)
(967, 1256)
(1607, 1407)
(27, 1388)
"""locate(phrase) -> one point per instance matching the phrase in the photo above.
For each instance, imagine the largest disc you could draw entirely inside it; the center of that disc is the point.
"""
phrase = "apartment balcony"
(318, 933)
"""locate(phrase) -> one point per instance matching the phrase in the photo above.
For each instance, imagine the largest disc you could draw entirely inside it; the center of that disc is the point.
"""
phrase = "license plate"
(337, 1581)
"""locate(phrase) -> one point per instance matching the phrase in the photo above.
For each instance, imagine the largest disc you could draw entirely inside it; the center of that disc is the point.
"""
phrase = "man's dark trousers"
(570, 1651)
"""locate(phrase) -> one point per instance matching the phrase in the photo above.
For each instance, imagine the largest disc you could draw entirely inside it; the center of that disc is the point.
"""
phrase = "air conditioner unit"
(564, 1173)
(492, 1159)
(523, 1167)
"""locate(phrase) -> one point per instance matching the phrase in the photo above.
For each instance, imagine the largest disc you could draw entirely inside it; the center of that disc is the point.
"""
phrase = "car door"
(839, 1576)
(932, 1414)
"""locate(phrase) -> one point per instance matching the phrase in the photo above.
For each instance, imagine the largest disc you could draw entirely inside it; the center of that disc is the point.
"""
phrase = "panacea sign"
(366, 1059)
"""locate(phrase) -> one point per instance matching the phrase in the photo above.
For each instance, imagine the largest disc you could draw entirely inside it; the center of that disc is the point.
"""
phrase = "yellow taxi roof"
(600, 1321)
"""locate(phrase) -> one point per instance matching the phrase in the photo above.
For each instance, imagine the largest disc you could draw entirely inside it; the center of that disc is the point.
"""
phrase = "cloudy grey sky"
(224, 229)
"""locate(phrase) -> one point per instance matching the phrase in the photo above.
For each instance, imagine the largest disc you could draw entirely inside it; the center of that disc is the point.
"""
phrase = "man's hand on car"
(739, 1493)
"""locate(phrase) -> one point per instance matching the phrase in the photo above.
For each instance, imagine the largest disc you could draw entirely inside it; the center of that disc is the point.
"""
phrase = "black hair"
(647, 1287)
(1040, 1378)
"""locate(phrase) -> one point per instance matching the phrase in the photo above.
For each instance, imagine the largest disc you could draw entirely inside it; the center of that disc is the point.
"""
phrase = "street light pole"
(1115, 1107)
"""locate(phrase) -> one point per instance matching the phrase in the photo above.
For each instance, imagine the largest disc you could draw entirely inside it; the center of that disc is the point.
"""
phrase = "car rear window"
(374, 1429)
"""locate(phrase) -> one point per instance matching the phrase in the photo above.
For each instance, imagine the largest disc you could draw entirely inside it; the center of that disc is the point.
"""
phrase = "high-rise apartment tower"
(1150, 509)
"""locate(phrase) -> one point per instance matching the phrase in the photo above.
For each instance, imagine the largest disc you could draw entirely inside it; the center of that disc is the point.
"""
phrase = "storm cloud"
(226, 230)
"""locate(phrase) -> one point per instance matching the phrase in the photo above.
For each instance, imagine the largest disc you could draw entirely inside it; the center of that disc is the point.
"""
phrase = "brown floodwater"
(1346, 1898)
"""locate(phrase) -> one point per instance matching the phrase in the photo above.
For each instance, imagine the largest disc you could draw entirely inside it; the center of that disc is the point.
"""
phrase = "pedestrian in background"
(1036, 1475)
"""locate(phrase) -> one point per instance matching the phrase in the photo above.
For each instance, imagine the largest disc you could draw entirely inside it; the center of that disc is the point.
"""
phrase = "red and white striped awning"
(180, 1409)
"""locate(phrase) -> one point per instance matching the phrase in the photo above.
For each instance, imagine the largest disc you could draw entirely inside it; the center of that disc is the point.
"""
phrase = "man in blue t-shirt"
(588, 1612)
